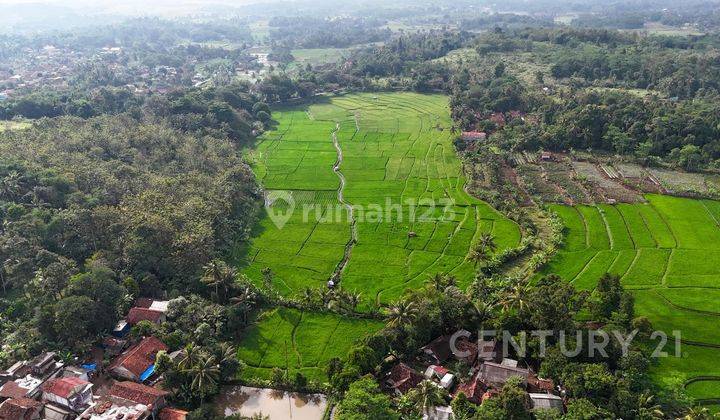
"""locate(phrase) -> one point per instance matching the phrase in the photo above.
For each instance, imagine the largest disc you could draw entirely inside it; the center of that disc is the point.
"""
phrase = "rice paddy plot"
(667, 254)
(412, 217)
(299, 342)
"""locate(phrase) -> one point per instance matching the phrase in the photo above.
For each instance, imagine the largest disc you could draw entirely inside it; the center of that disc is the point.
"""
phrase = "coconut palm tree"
(401, 313)
(426, 396)
(483, 310)
(648, 409)
(478, 255)
(205, 375)
(483, 249)
(220, 276)
(698, 413)
(190, 356)
(308, 296)
(487, 242)
(437, 282)
(213, 273)
(516, 298)
(225, 352)
(326, 295)
(354, 300)
(245, 300)
(267, 277)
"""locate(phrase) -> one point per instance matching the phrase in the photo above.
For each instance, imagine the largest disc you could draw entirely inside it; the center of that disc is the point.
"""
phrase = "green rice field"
(667, 252)
(411, 218)
(403, 179)
(299, 342)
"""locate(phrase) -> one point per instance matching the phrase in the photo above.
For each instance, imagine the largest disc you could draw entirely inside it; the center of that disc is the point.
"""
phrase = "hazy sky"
(111, 6)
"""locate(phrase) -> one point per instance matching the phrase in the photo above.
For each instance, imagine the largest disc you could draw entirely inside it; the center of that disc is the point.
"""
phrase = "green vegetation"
(299, 341)
(671, 270)
(98, 211)
(397, 149)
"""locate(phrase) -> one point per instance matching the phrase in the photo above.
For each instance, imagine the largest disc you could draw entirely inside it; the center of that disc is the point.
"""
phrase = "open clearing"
(667, 253)
(403, 179)
(14, 125)
(299, 342)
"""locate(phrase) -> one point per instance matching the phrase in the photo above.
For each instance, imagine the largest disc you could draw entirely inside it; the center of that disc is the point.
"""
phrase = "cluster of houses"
(55, 67)
(48, 66)
(488, 372)
(127, 389)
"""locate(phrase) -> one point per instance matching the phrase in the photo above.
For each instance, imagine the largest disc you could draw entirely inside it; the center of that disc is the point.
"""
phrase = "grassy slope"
(667, 253)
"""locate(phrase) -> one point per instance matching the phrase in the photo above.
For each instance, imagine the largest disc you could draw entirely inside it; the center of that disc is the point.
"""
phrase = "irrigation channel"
(351, 211)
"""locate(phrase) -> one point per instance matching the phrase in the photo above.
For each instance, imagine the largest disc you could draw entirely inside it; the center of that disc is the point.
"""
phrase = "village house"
(57, 412)
(121, 329)
(489, 351)
(25, 387)
(494, 374)
(168, 413)
(441, 374)
(144, 314)
(74, 372)
(17, 370)
(439, 413)
(546, 402)
(540, 385)
(113, 408)
(473, 389)
(113, 345)
(473, 135)
(138, 362)
(402, 378)
(44, 365)
(152, 398)
(72, 393)
(20, 409)
(146, 309)
(439, 351)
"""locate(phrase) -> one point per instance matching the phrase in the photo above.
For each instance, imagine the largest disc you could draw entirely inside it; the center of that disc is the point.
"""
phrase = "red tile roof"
(140, 356)
(63, 387)
(440, 370)
(143, 314)
(540, 384)
(168, 413)
(138, 393)
(12, 390)
(17, 409)
(473, 389)
(403, 378)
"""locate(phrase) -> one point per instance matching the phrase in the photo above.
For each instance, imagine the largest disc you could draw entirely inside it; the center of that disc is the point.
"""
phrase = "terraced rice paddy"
(667, 253)
(411, 216)
(299, 342)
